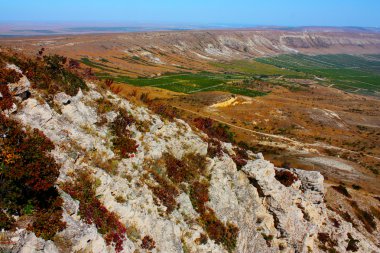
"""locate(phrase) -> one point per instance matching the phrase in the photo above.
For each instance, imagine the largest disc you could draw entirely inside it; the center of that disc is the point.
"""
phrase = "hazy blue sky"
(249, 12)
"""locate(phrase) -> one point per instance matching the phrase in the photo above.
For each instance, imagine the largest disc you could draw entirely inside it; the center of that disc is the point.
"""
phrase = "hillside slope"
(133, 181)
(159, 52)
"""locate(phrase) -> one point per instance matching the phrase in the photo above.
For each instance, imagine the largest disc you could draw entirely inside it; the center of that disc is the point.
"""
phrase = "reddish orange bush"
(49, 72)
(8, 75)
(27, 177)
(165, 111)
(286, 177)
(225, 234)
(240, 158)
(6, 101)
(94, 212)
(214, 130)
(122, 141)
(165, 192)
(148, 243)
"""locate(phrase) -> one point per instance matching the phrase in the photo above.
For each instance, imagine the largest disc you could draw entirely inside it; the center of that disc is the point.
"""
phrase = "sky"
(364, 13)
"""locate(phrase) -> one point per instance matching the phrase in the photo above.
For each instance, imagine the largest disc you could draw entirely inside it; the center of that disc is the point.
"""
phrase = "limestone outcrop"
(274, 209)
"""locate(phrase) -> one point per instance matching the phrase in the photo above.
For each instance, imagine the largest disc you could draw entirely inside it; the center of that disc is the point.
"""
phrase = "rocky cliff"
(176, 190)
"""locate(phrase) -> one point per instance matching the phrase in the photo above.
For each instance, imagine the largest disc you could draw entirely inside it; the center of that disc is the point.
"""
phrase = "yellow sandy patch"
(227, 103)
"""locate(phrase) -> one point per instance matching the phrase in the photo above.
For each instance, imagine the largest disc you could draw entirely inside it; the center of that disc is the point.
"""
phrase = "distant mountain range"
(18, 30)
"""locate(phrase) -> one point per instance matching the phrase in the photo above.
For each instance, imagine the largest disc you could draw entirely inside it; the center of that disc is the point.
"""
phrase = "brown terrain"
(155, 53)
(317, 128)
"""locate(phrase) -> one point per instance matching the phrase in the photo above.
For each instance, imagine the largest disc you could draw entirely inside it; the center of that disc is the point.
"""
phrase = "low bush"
(326, 243)
(123, 144)
(335, 222)
(214, 148)
(94, 212)
(6, 220)
(286, 177)
(51, 72)
(214, 130)
(352, 244)
(225, 234)
(6, 99)
(48, 222)
(27, 177)
(163, 110)
(148, 243)
(8, 75)
(268, 239)
(165, 192)
(186, 170)
(240, 158)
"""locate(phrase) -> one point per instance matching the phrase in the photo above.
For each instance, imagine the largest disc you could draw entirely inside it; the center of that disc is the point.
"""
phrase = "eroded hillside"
(145, 54)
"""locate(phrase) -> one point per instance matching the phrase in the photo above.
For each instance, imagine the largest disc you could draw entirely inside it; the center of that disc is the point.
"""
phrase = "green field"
(252, 67)
(231, 79)
(193, 82)
(359, 74)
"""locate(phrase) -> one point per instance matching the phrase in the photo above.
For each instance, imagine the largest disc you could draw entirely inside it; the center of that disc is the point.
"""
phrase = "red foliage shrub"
(122, 141)
(48, 222)
(187, 170)
(286, 177)
(6, 101)
(8, 75)
(165, 111)
(199, 196)
(148, 243)
(108, 82)
(165, 192)
(240, 158)
(214, 130)
(176, 169)
(49, 72)
(214, 148)
(94, 212)
(225, 234)
(27, 177)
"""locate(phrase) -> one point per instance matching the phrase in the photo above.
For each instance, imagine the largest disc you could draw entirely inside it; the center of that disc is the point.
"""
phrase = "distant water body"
(91, 29)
